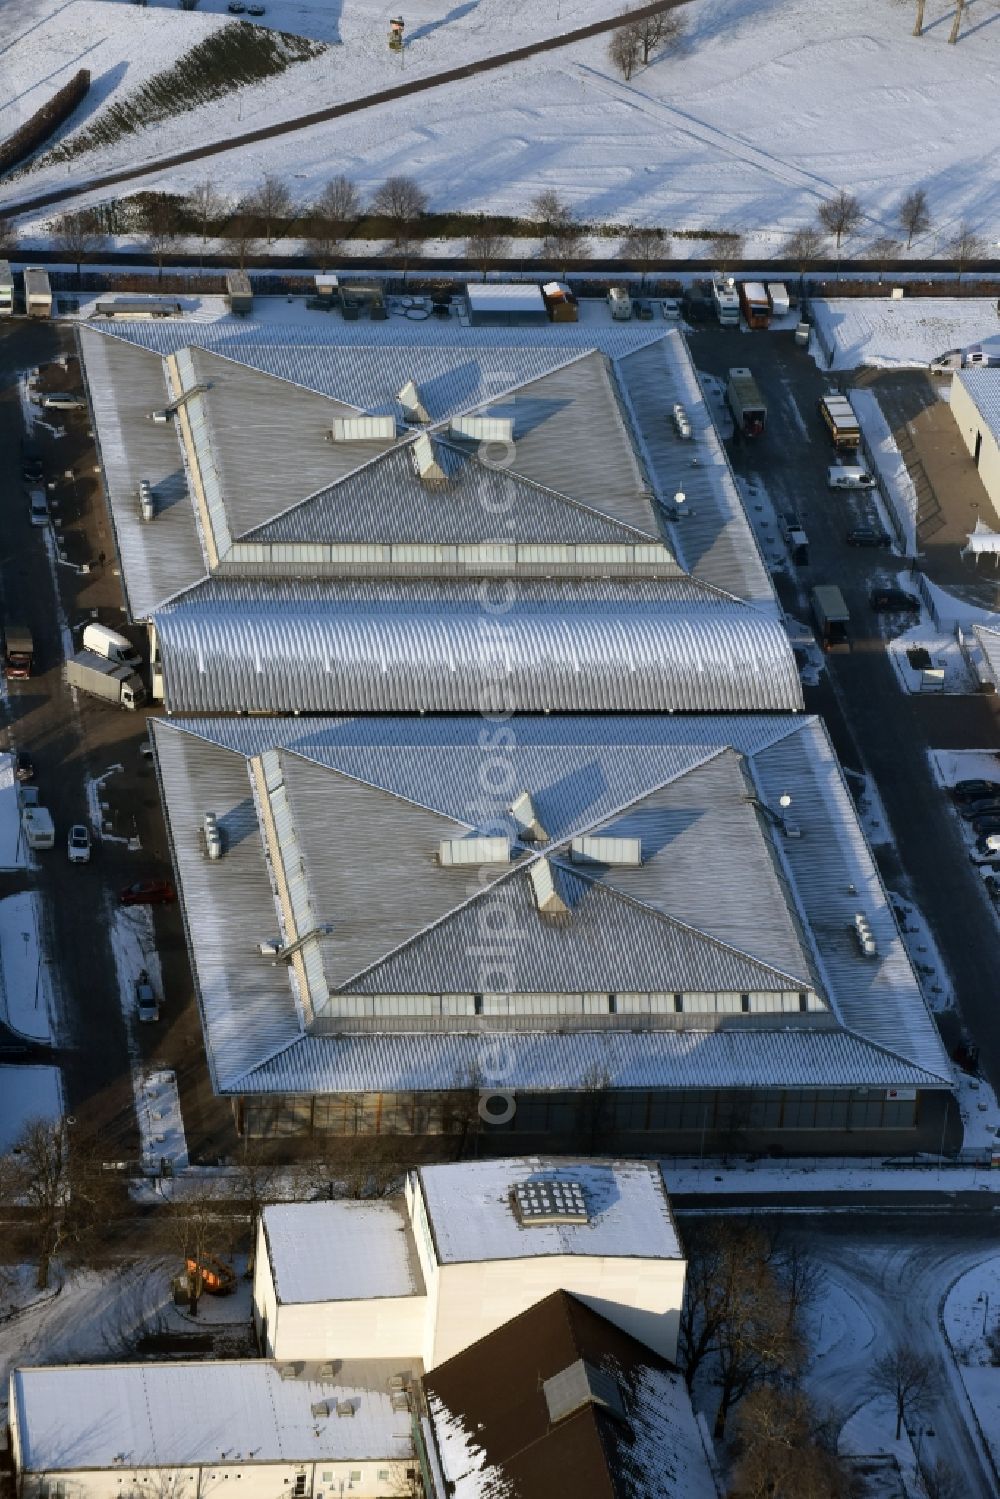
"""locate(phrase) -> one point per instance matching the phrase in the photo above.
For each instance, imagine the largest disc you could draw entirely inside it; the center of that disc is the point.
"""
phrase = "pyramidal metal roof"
(400, 925)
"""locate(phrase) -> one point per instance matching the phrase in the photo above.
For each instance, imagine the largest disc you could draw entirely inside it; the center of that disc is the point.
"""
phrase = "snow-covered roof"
(340, 1251)
(722, 906)
(436, 649)
(505, 297)
(629, 1430)
(472, 1219)
(234, 1412)
(905, 331)
(983, 388)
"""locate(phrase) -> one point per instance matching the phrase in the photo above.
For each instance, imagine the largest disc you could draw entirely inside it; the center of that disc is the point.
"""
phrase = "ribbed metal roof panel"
(367, 364)
(835, 876)
(681, 1060)
(246, 1001)
(386, 501)
(605, 944)
(713, 537)
(283, 657)
(983, 386)
(163, 556)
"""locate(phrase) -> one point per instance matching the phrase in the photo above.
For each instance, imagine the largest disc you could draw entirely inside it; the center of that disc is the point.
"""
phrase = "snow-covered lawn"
(971, 1310)
(911, 331)
(27, 1093)
(25, 988)
(693, 141)
(14, 852)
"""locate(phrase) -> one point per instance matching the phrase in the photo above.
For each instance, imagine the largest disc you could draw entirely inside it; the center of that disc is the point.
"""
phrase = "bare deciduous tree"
(485, 246)
(804, 245)
(563, 237)
(903, 1375)
(913, 214)
(78, 234)
(643, 248)
(201, 1219)
(402, 202)
(725, 250)
(335, 211)
(781, 1449)
(942, 1482)
(241, 232)
(624, 50)
(840, 216)
(205, 206)
(956, 24)
(271, 201)
(57, 1176)
(965, 245)
(159, 221)
(882, 250)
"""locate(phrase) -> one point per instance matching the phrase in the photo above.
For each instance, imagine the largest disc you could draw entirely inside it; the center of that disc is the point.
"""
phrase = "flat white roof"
(129, 1416)
(341, 1251)
(504, 297)
(472, 1219)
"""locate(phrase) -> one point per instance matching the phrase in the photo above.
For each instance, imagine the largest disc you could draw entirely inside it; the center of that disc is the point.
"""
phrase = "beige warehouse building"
(975, 403)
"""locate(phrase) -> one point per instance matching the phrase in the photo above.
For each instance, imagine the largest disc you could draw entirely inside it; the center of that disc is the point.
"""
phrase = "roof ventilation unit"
(147, 502)
(483, 428)
(363, 429)
(212, 836)
(547, 898)
(865, 935)
(423, 456)
(591, 850)
(523, 812)
(345, 1407)
(414, 409)
(459, 851)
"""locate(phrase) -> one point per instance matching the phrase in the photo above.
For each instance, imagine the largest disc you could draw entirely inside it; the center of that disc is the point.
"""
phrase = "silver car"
(38, 507)
(78, 844)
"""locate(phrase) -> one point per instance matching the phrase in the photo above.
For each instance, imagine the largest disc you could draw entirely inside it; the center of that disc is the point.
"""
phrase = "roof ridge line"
(706, 759)
(267, 374)
(508, 390)
(675, 921)
(397, 444)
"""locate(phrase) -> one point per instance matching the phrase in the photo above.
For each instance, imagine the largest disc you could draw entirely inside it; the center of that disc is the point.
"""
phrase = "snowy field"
(909, 332)
(693, 141)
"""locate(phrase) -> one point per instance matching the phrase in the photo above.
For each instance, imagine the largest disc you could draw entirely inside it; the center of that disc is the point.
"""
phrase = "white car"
(78, 844)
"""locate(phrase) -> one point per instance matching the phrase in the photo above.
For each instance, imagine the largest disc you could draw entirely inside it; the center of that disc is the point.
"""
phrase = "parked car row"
(978, 804)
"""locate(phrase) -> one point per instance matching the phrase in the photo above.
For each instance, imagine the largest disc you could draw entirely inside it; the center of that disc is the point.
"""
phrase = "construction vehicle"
(217, 1278)
(840, 420)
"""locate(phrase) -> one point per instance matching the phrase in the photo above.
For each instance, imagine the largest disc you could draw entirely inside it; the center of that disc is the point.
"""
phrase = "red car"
(148, 893)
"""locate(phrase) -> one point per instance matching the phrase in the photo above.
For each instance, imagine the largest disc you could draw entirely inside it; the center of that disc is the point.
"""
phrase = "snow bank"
(14, 852)
(27, 1093)
(25, 985)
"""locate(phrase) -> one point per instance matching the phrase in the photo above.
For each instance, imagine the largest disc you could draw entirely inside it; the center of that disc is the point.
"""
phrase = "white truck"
(111, 680)
(746, 403)
(112, 646)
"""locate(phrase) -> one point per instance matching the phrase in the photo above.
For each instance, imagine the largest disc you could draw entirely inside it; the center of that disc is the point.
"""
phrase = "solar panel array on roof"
(540, 1201)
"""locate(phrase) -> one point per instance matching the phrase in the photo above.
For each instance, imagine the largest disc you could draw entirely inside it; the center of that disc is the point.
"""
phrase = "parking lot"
(88, 769)
(875, 725)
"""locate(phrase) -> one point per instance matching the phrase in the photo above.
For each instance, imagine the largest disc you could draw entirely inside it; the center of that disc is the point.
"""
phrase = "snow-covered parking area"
(906, 332)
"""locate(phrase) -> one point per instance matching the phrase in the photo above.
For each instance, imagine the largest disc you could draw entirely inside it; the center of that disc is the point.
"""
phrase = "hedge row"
(45, 121)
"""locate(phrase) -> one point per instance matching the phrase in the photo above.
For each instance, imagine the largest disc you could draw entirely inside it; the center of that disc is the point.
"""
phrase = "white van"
(110, 646)
(849, 476)
(39, 830)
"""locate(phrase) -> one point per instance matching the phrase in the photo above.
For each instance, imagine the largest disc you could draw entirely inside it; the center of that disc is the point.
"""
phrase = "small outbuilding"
(505, 304)
(239, 293)
(37, 292)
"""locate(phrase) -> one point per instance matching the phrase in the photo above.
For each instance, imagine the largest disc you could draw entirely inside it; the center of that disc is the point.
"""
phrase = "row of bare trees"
(400, 204)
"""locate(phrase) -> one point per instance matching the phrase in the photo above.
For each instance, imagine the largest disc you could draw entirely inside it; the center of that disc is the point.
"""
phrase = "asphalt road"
(873, 723)
(69, 742)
